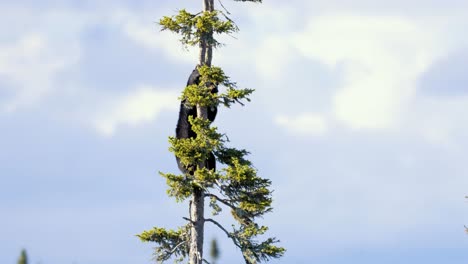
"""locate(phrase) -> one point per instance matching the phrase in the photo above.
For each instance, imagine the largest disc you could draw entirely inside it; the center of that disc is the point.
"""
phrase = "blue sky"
(359, 118)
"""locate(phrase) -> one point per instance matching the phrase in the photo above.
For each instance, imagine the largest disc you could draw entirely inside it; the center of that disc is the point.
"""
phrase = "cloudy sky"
(359, 118)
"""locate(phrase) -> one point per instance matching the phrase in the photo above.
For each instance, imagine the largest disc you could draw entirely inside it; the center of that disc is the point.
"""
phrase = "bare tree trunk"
(202, 54)
(196, 233)
(206, 50)
(209, 48)
(198, 203)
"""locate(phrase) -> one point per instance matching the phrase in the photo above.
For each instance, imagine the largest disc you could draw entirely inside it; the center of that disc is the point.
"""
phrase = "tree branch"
(239, 102)
(221, 200)
(189, 220)
(224, 230)
(227, 11)
(175, 248)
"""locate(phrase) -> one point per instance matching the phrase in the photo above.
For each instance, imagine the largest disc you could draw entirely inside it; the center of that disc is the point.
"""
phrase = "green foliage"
(23, 259)
(192, 151)
(247, 195)
(172, 243)
(201, 94)
(235, 185)
(180, 186)
(253, 251)
(195, 27)
(215, 206)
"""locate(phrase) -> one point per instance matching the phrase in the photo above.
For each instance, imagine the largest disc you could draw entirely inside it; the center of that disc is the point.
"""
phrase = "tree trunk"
(198, 203)
(196, 233)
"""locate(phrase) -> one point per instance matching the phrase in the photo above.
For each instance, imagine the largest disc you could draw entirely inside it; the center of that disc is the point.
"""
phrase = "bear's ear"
(194, 77)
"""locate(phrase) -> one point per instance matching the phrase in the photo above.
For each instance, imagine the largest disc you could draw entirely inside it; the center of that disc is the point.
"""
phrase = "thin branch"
(190, 210)
(175, 248)
(225, 9)
(221, 200)
(225, 231)
(229, 19)
(239, 102)
(189, 220)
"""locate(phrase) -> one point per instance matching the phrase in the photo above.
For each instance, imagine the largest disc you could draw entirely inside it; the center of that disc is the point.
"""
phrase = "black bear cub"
(184, 129)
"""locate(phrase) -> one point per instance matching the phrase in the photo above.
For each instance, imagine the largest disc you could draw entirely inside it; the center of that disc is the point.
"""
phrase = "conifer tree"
(214, 251)
(23, 257)
(236, 186)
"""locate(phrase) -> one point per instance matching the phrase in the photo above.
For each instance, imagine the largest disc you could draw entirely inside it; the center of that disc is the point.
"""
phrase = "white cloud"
(439, 121)
(242, 47)
(38, 47)
(382, 58)
(30, 65)
(141, 106)
(271, 55)
(35, 55)
(151, 38)
(303, 124)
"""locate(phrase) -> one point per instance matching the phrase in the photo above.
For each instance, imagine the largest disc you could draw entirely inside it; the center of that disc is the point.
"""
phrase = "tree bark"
(209, 48)
(198, 221)
(197, 203)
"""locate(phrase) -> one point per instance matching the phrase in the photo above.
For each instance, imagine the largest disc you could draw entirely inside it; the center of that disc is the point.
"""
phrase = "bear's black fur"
(184, 129)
